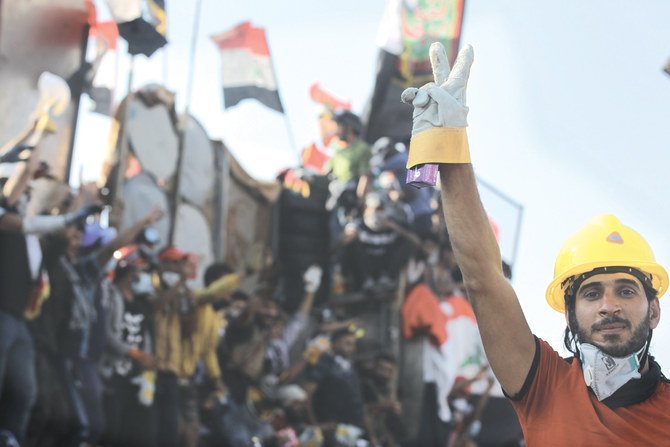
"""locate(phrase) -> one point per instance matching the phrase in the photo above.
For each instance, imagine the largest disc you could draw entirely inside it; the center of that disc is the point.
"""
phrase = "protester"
(22, 276)
(129, 364)
(606, 282)
(334, 390)
(200, 338)
(351, 154)
(284, 336)
(391, 158)
(383, 409)
(375, 250)
(174, 313)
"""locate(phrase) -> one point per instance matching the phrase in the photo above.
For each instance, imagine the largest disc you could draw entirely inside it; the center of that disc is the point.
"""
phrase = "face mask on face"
(170, 278)
(143, 284)
(605, 374)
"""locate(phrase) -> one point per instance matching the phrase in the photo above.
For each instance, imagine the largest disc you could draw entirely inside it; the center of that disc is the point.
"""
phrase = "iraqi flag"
(246, 67)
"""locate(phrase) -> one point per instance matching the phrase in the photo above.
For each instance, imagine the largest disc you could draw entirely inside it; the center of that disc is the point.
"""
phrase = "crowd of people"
(110, 336)
(110, 339)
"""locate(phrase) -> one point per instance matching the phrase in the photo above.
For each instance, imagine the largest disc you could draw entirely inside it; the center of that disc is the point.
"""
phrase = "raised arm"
(128, 235)
(438, 136)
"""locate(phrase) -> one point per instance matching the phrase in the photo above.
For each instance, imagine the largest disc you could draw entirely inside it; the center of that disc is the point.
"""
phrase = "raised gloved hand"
(312, 278)
(440, 112)
(82, 213)
(54, 94)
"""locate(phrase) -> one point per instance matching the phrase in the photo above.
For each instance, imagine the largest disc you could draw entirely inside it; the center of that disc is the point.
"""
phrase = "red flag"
(246, 67)
(332, 102)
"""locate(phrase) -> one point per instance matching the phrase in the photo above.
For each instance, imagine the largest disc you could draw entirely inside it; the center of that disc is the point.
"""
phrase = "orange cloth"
(314, 158)
(558, 409)
(461, 308)
(421, 313)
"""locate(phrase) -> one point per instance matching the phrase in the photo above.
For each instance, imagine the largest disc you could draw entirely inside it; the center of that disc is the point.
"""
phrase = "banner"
(143, 23)
(246, 67)
(407, 30)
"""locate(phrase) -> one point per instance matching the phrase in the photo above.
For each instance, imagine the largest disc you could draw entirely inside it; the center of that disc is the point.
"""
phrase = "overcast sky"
(569, 109)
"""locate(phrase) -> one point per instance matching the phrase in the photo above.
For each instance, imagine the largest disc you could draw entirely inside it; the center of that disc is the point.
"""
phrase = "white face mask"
(605, 374)
(143, 284)
(170, 278)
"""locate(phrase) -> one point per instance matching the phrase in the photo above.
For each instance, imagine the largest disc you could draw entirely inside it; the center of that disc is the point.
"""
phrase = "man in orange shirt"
(606, 282)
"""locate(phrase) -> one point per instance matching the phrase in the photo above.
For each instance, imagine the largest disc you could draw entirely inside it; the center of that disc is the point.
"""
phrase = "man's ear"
(654, 313)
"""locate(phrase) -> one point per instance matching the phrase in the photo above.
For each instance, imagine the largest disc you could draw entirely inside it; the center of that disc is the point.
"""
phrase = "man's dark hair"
(570, 294)
(123, 270)
(239, 295)
(216, 271)
(350, 120)
(340, 333)
(385, 357)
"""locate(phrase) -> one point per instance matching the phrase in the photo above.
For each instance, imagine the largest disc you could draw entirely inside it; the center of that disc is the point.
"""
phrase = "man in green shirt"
(351, 155)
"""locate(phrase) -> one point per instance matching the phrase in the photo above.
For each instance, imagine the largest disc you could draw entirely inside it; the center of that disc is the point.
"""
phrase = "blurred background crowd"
(113, 338)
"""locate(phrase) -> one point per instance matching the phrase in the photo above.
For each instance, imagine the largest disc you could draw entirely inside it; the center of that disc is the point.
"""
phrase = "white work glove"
(440, 115)
(441, 104)
(54, 94)
(415, 269)
(312, 278)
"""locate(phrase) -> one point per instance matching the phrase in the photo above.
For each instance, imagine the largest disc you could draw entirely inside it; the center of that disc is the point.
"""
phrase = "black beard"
(636, 342)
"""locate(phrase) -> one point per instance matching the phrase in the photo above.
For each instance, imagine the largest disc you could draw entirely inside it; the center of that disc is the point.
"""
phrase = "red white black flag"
(247, 67)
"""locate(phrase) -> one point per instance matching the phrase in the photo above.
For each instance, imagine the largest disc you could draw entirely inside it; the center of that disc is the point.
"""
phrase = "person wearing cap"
(128, 363)
(606, 283)
(174, 315)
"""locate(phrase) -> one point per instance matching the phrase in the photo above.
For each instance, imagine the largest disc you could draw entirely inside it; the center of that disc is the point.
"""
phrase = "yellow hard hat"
(603, 242)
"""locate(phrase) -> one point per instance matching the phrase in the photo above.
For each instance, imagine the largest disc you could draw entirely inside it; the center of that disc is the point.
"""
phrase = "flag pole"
(182, 122)
(67, 175)
(289, 129)
(289, 132)
(122, 143)
(194, 47)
